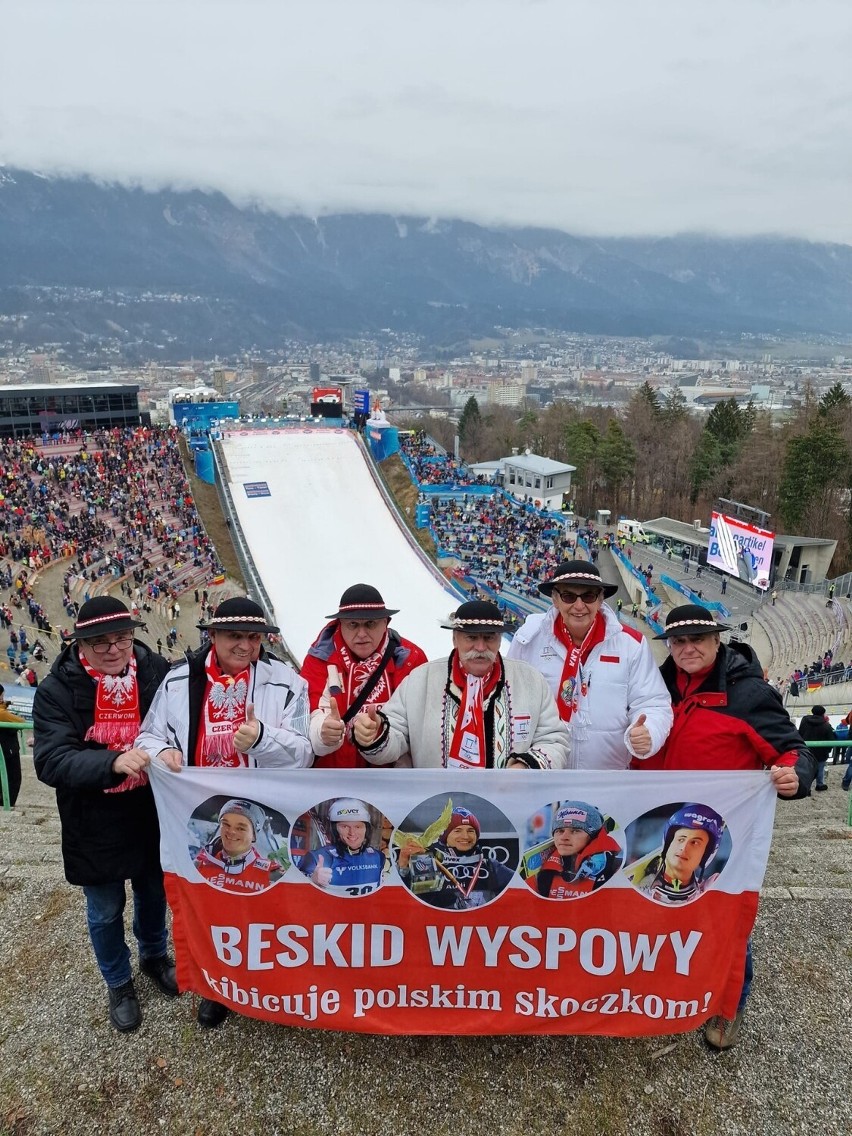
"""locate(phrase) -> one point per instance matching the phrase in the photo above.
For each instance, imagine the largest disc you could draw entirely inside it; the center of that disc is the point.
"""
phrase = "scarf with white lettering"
(117, 716)
(224, 711)
(358, 672)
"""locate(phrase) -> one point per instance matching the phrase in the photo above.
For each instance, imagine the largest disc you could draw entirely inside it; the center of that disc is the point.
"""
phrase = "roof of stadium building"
(486, 467)
(32, 388)
(683, 531)
(532, 463)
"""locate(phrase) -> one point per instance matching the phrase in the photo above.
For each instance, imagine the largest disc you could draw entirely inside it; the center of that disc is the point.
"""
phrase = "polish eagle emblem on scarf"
(228, 701)
(119, 689)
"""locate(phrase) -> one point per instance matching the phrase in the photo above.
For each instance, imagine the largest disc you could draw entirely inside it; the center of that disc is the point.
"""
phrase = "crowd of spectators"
(114, 503)
(432, 465)
(500, 542)
(821, 672)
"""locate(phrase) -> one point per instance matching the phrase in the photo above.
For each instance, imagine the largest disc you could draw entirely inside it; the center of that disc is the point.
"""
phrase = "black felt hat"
(103, 615)
(476, 617)
(690, 619)
(239, 614)
(580, 573)
(363, 601)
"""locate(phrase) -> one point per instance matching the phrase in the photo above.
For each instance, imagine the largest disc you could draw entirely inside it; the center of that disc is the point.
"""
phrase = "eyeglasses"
(588, 597)
(103, 646)
(682, 640)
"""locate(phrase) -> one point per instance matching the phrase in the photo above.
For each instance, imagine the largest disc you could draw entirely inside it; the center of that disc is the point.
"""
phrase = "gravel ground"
(65, 1070)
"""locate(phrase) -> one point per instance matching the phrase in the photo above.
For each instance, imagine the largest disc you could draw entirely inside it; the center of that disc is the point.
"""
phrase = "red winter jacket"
(734, 720)
(406, 656)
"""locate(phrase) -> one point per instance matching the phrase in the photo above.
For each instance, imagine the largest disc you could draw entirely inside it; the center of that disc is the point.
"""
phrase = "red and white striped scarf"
(573, 685)
(358, 672)
(467, 749)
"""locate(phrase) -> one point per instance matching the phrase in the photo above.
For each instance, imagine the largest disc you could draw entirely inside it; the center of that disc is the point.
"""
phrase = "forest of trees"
(654, 458)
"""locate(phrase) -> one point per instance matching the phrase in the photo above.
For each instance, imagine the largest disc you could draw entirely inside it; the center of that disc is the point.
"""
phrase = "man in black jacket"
(815, 727)
(727, 717)
(87, 714)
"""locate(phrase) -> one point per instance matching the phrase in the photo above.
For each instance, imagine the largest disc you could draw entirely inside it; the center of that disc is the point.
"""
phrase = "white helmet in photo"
(349, 809)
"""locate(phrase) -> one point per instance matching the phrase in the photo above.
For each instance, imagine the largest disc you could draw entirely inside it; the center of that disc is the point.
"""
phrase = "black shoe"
(211, 1014)
(162, 971)
(124, 1012)
(821, 788)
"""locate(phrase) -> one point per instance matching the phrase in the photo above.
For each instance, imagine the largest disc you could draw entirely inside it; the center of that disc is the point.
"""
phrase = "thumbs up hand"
(248, 732)
(333, 727)
(321, 875)
(640, 737)
(366, 727)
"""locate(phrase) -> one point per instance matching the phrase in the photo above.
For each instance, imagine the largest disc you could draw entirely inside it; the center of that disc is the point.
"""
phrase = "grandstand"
(320, 505)
(797, 631)
(85, 514)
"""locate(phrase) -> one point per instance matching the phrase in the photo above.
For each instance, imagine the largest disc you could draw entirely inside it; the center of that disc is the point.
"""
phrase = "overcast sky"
(593, 116)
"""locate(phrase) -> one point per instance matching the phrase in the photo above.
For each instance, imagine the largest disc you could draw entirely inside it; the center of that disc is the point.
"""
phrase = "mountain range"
(173, 272)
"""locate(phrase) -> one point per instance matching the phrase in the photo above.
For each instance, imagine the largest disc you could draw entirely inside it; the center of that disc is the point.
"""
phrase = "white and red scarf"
(467, 749)
(574, 685)
(117, 716)
(223, 712)
(358, 672)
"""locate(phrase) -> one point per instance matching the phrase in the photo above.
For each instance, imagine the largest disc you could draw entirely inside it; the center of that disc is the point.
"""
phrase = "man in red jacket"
(726, 716)
(357, 661)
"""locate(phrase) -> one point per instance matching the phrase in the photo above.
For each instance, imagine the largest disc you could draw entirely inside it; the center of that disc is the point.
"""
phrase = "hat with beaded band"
(579, 574)
(103, 615)
(477, 617)
(239, 614)
(690, 619)
(363, 601)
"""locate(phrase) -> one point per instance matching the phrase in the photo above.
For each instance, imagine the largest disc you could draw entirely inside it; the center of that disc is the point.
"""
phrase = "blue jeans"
(820, 773)
(747, 978)
(105, 917)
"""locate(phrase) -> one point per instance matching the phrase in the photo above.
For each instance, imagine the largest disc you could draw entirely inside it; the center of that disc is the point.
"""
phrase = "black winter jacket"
(105, 836)
(734, 720)
(817, 728)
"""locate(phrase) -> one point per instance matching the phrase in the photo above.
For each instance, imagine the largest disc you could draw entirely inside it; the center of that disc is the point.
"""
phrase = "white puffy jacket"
(623, 681)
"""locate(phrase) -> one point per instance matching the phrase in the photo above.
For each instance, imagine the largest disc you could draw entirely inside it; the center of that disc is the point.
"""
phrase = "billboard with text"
(741, 549)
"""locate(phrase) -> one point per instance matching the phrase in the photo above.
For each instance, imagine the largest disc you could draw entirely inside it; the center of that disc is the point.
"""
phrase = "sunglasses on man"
(587, 597)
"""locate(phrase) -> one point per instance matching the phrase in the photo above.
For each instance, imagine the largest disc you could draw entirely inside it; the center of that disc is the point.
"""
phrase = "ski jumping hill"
(316, 521)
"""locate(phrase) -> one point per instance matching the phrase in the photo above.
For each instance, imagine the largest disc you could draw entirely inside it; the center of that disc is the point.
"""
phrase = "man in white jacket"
(601, 673)
(230, 705)
(473, 710)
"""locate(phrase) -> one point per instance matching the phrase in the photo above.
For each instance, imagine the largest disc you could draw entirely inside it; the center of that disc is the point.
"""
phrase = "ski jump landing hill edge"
(316, 522)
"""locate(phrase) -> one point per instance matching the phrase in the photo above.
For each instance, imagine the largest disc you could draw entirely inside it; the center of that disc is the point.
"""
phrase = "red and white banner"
(439, 902)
